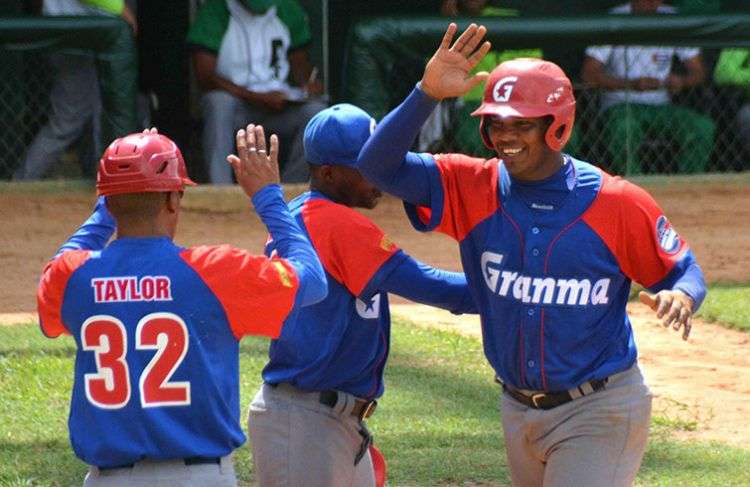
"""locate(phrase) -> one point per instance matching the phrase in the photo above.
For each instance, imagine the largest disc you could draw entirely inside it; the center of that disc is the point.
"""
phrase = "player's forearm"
(95, 231)
(595, 76)
(608, 82)
(425, 284)
(214, 81)
(291, 244)
(384, 158)
(693, 284)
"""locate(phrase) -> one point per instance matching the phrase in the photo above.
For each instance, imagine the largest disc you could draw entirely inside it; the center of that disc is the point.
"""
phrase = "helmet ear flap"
(563, 120)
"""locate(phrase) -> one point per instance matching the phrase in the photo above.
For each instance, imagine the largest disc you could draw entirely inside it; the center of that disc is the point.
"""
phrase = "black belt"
(549, 400)
(188, 461)
(362, 409)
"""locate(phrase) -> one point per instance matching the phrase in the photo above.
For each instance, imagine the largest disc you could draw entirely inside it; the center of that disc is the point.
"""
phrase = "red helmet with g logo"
(530, 88)
(140, 163)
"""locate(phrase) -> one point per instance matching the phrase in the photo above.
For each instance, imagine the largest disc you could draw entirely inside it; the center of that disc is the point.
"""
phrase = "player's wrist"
(267, 195)
(427, 91)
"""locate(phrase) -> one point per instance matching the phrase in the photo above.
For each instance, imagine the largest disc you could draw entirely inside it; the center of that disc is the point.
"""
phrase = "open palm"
(447, 72)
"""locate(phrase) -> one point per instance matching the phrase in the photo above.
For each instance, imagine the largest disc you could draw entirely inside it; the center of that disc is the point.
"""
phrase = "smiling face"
(520, 143)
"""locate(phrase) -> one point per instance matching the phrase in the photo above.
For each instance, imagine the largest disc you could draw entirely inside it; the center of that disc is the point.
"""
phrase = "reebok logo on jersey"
(130, 288)
(666, 235)
(541, 290)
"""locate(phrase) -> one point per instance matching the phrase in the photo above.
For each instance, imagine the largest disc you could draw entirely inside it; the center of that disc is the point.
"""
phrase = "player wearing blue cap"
(157, 327)
(550, 246)
(325, 371)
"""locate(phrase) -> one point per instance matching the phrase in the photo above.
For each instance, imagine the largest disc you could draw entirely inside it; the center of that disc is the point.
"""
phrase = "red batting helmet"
(140, 163)
(530, 88)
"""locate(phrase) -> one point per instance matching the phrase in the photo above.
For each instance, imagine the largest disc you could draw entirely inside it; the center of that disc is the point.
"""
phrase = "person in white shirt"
(244, 52)
(638, 83)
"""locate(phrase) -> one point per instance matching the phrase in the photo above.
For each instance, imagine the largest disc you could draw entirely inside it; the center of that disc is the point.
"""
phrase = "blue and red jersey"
(157, 329)
(549, 263)
(342, 342)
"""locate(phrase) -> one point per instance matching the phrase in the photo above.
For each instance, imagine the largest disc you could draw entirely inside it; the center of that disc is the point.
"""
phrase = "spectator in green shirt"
(75, 101)
(733, 69)
(243, 52)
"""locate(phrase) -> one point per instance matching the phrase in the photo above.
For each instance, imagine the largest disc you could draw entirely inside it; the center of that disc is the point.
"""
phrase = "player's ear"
(173, 199)
(327, 173)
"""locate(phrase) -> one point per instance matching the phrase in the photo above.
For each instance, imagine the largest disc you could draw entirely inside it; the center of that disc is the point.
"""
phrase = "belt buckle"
(368, 410)
(537, 397)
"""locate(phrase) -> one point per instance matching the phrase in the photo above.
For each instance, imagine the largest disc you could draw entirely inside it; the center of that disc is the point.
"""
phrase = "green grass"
(728, 305)
(438, 423)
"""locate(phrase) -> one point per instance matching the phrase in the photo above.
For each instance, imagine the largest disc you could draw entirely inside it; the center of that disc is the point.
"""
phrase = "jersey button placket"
(534, 243)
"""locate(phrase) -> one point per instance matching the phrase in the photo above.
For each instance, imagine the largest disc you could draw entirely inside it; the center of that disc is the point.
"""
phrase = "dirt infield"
(704, 380)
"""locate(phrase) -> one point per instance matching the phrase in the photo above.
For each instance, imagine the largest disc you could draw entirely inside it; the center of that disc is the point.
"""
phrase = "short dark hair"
(136, 205)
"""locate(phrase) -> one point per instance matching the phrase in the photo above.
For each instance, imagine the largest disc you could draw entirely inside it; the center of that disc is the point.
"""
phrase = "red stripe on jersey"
(256, 292)
(628, 219)
(351, 248)
(469, 192)
(51, 289)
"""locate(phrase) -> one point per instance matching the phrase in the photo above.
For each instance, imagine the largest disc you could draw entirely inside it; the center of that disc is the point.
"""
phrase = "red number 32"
(109, 387)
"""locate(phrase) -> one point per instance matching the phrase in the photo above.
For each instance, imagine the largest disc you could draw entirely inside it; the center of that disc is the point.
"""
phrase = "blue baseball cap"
(334, 136)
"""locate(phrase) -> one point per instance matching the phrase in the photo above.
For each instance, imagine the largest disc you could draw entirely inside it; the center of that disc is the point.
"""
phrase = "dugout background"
(163, 61)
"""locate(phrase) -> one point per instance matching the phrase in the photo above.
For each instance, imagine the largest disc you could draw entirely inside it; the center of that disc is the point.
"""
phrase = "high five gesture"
(255, 167)
(447, 74)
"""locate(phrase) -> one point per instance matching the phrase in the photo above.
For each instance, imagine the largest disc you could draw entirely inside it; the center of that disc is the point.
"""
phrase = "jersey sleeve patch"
(351, 247)
(636, 231)
(470, 189)
(257, 292)
(51, 290)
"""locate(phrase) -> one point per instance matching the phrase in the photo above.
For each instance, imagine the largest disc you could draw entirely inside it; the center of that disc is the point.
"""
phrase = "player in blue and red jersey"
(157, 326)
(325, 371)
(550, 245)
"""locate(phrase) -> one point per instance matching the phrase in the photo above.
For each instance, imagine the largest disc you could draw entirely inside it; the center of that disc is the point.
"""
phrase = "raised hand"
(447, 73)
(675, 307)
(255, 167)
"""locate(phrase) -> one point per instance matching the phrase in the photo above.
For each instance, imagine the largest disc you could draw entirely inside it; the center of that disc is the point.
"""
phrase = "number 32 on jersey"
(110, 386)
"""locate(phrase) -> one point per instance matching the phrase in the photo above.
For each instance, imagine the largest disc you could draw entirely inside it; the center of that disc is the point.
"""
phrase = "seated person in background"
(466, 127)
(75, 102)
(733, 69)
(639, 81)
(243, 51)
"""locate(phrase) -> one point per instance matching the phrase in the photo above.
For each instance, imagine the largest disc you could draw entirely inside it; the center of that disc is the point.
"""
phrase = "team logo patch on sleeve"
(386, 243)
(666, 235)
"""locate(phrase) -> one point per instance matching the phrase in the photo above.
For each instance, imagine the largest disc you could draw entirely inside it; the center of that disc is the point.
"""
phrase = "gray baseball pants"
(593, 441)
(171, 473)
(74, 103)
(223, 114)
(299, 442)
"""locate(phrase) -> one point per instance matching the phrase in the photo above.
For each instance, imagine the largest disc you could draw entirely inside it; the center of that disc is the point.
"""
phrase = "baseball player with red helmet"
(550, 246)
(325, 371)
(155, 397)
